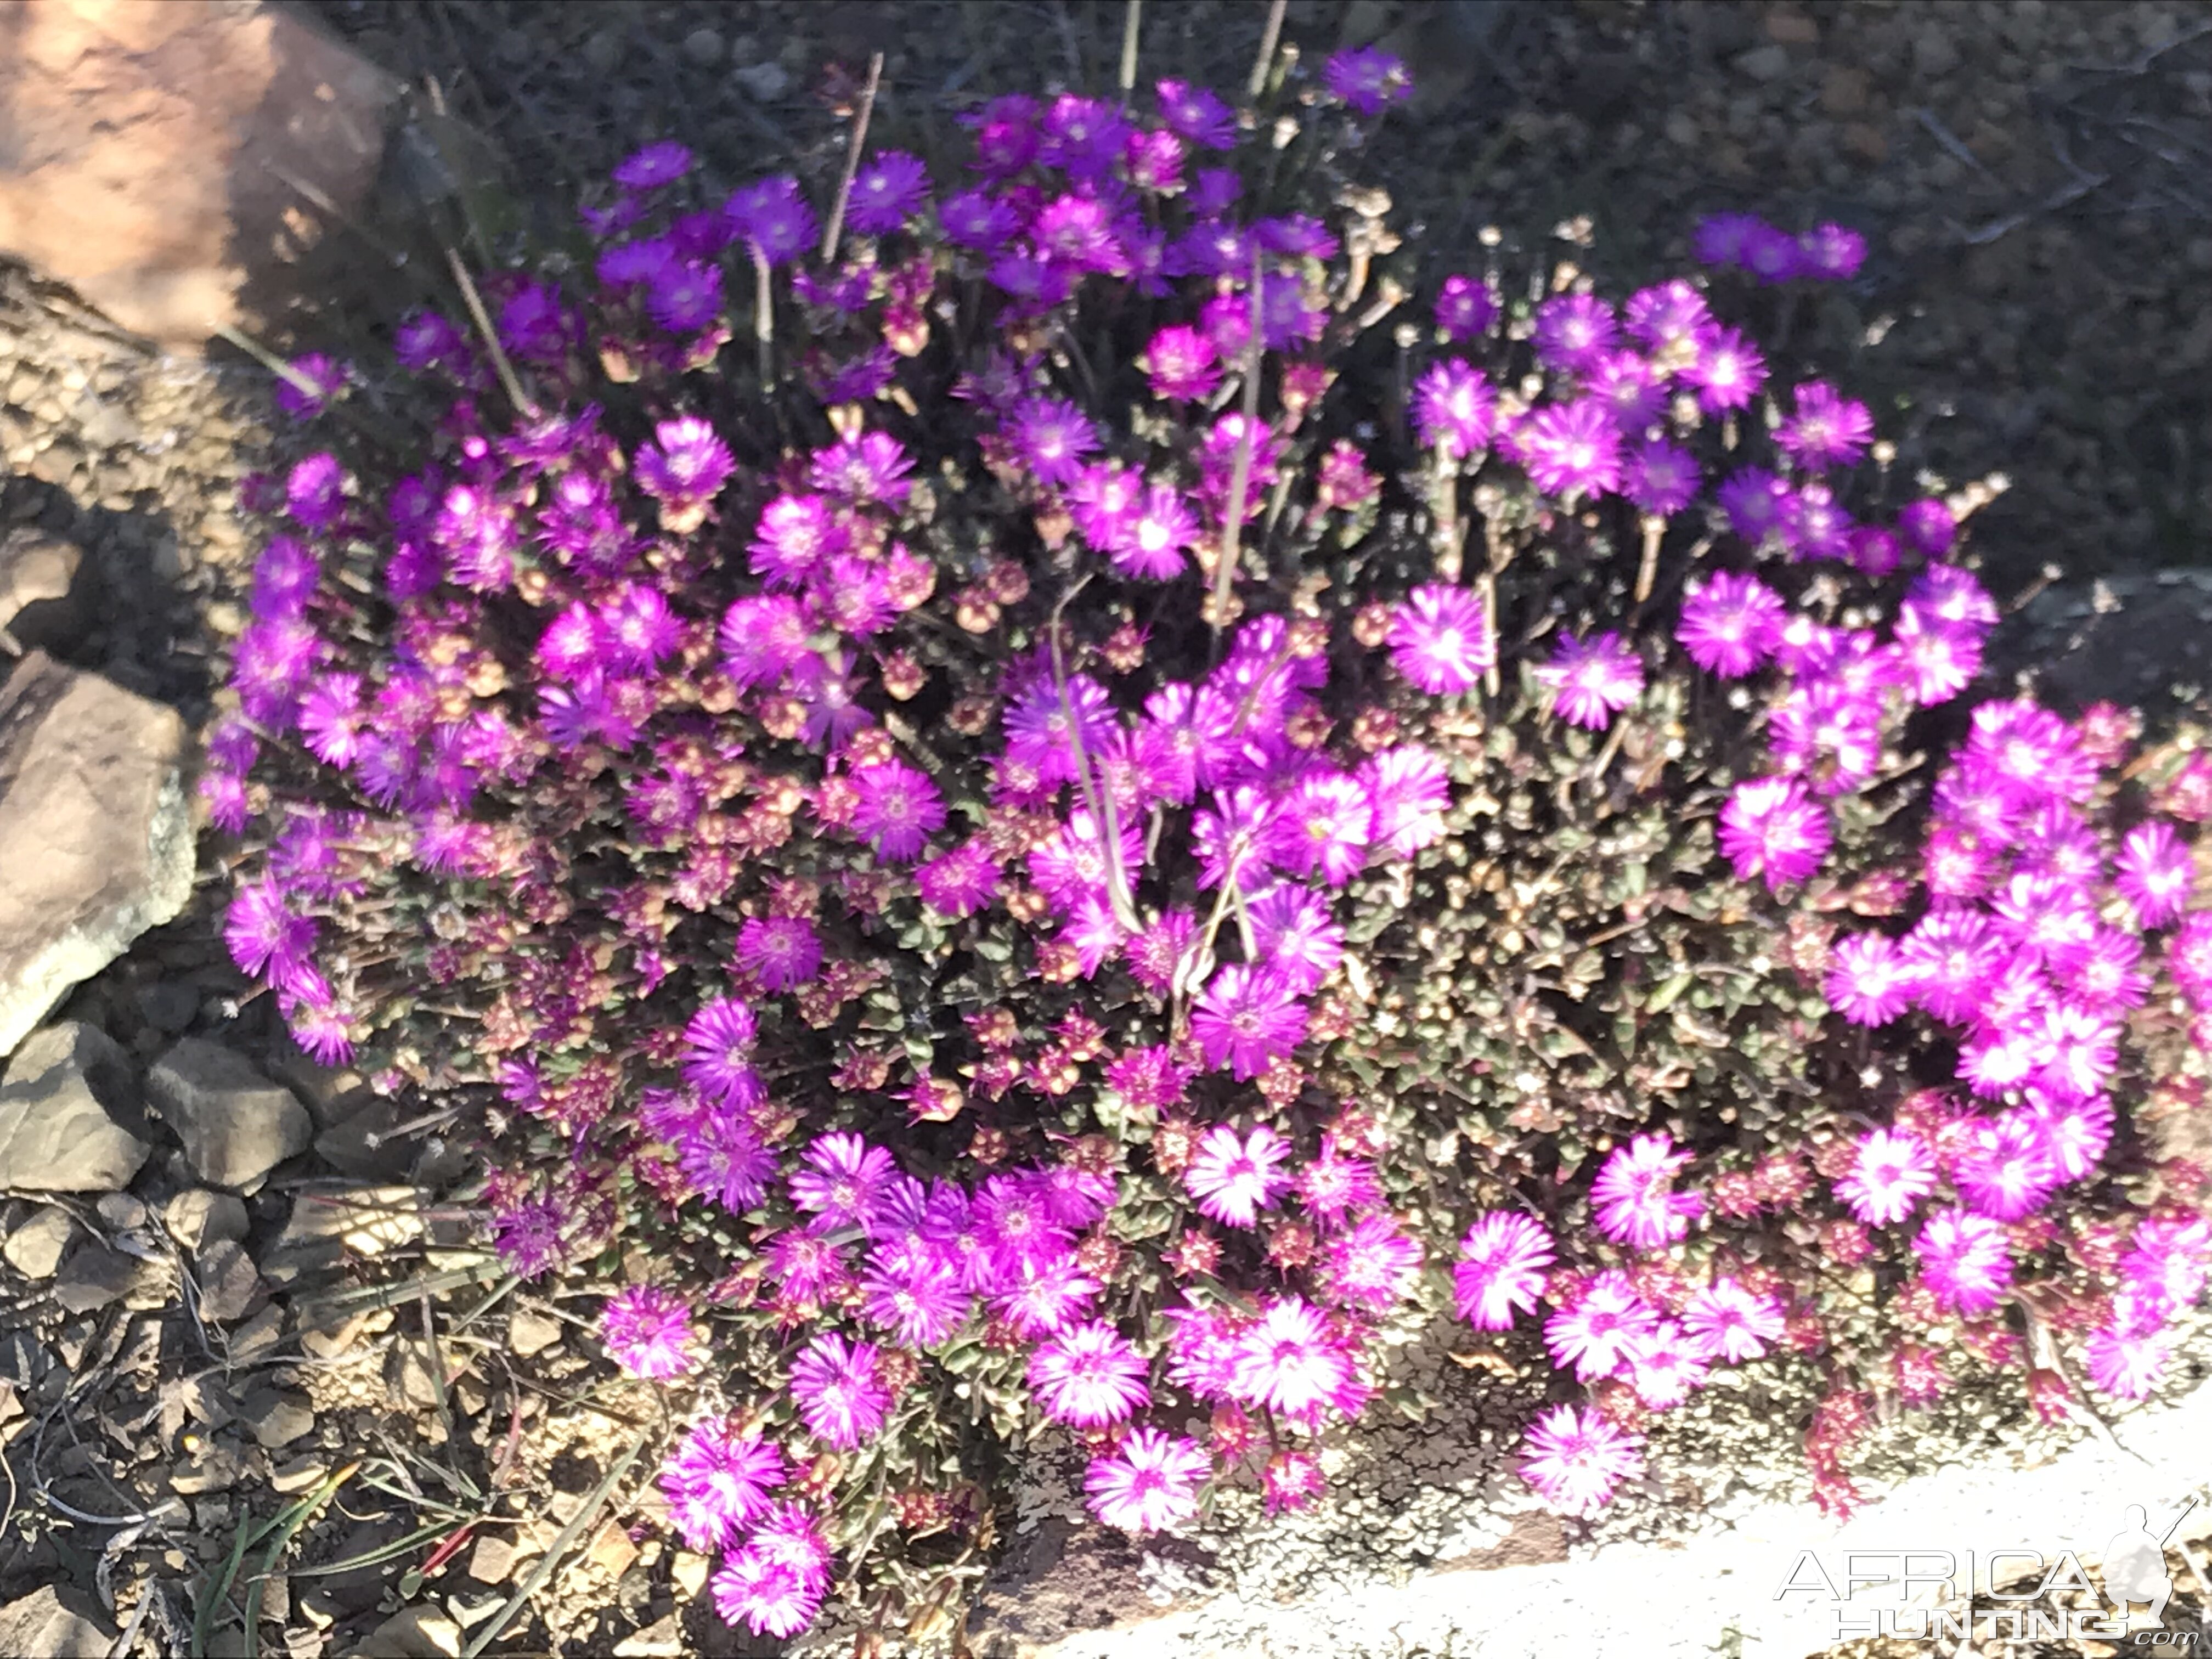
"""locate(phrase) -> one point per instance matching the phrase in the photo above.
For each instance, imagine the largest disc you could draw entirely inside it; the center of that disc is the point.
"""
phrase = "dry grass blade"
(563, 1543)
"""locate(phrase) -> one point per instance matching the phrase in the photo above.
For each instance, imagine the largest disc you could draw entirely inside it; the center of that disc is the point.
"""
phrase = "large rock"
(66, 1114)
(236, 1125)
(166, 159)
(46, 600)
(95, 835)
(55, 1624)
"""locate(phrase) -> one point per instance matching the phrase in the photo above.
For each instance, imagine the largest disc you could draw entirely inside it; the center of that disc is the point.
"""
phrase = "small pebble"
(765, 83)
(703, 47)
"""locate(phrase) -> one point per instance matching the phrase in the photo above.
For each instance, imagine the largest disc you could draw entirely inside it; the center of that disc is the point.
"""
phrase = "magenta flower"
(1296, 935)
(1367, 79)
(1183, 364)
(845, 1181)
(1725, 1321)
(1769, 828)
(722, 1158)
(1151, 1482)
(1596, 1335)
(1894, 1171)
(1234, 1180)
(887, 192)
(1290, 1360)
(1325, 826)
(1870, 981)
(1411, 792)
(1370, 1267)
(1574, 1459)
(1574, 331)
(1439, 639)
(2154, 872)
(1665, 1366)
(1661, 478)
(961, 882)
(1825, 430)
(1635, 1202)
(1592, 680)
(1729, 625)
(1727, 373)
(648, 1333)
(718, 1052)
(1454, 409)
(1572, 449)
(2007, 1170)
(899, 810)
(1089, 1377)
(1964, 1260)
(717, 1480)
(1502, 1263)
(865, 471)
(2127, 1363)
(779, 951)
(1052, 437)
(1464, 308)
(1246, 1019)
(914, 1291)
(840, 1390)
(1333, 1186)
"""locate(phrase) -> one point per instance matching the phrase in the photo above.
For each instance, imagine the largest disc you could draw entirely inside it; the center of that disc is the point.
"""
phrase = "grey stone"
(121, 1212)
(68, 1111)
(35, 1249)
(196, 1218)
(416, 1632)
(276, 1417)
(330, 1093)
(55, 1623)
(228, 1282)
(236, 1125)
(95, 835)
(95, 1276)
(765, 83)
(703, 47)
(361, 1144)
(168, 1007)
(1767, 62)
(218, 1465)
(603, 52)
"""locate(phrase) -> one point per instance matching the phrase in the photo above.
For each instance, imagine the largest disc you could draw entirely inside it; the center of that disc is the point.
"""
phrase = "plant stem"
(1129, 25)
(1239, 476)
(483, 321)
(837, 226)
(1267, 43)
(764, 318)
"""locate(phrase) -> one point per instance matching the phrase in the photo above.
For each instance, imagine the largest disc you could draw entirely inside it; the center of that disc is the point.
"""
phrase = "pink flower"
(1150, 1483)
(840, 1390)
(1894, 1171)
(1089, 1377)
(1597, 1334)
(1371, 1267)
(1725, 1321)
(1634, 1196)
(1771, 828)
(1438, 639)
(2155, 873)
(2127, 1363)
(1870, 982)
(1501, 1268)
(1592, 680)
(1964, 1260)
(1233, 1179)
(1664, 1366)
(1289, 1359)
(1575, 1459)
(1245, 1019)
(648, 1333)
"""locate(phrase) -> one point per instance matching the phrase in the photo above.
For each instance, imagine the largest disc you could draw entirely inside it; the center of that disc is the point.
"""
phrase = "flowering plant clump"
(1033, 800)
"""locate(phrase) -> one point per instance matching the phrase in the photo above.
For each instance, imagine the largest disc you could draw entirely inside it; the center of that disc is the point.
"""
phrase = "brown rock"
(1786, 28)
(1869, 143)
(236, 1124)
(228, 1285)
(41, 602)
(35, 1249)
(612, 1550)
(95, 837)
(1062, 1579)
(243, 105)
(1844, 91)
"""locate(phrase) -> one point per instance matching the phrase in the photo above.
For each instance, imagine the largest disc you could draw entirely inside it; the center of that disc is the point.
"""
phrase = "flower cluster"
(963, 796)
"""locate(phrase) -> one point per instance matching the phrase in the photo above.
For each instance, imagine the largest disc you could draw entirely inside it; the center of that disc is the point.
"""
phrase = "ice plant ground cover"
(1076, 794)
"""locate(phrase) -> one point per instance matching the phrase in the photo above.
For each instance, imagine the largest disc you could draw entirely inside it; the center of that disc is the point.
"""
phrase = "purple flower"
(2154, 872)
(914, 1292)
(1825, 429)
(1729, 626)
(1831, 253)
(1052, 436)
(1367, 79)
(979, 221)
(1773, 255)
(1721, 239)
(1725, 1321)
(1454, 409)
(774, 218)
(891, 190)
(1197, 114)
(1246, 1019)
(1571, 449)
(1464, 308)
(1769, 828)
(1151, 1481)
(653, 165)
(325, 377)
(1727, 371)
(1411, 791)
(684, 298)
(1597, 1336)
(1592, 680)
(779, 951)
(1084, 137)
(839, 1387)
(718, 1052)
(648, 1333)
(1183, 363)
(723, 1159)
(1294, 933)
(961, 882)
(1574, 331)
(1439, 639)
(1894, 1170)
(863, 471)
(266, 939)
(844, 1181)
(899, 810)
